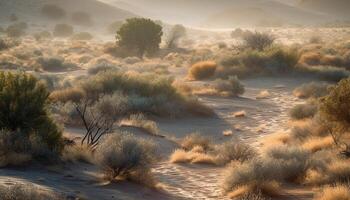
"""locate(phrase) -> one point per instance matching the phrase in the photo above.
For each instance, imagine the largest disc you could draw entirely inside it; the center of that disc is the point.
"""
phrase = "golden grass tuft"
(263, 94)
(339, 192)
(316, 143)
(241, 113)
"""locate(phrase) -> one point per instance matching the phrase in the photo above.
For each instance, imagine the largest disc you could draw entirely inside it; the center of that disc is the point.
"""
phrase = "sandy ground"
(263, 117)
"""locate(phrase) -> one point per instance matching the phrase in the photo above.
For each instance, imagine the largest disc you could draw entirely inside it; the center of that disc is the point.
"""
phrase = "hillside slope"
(338, 8)
(266, 13)
(224, 13)
(30, 10)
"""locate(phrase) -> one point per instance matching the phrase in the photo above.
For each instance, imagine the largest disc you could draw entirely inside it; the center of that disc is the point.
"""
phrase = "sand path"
(264, 116)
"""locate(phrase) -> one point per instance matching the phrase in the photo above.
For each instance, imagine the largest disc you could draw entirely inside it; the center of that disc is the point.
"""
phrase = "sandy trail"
(264, 117)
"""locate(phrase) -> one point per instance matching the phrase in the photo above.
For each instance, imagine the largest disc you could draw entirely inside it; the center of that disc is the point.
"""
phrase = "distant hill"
(338, 8)
(224, 13)
(265, 13)
(30, 10)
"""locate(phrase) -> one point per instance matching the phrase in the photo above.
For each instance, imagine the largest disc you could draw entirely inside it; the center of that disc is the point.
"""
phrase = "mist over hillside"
(30, 10)
(231, 13)
(338, 8)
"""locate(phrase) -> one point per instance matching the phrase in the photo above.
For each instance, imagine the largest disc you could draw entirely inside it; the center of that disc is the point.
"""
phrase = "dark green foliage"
(140, 34)
(23, 105)
(335, 107)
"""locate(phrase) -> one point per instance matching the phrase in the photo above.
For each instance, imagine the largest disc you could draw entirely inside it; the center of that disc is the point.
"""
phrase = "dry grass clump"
(121, 155)
(230, 87)
(263, 94)
(140, 121)
(327, 73)
(292, 162)
(303, 111)
(202, 70)
(311, 90)
(256, 177)
(241, 113)
(195, 140)
(77, 153)
(195, 156)
(248, 63)
(26, 192)
(315, 144)
(337, 192)
(103, 67)
(54, 64)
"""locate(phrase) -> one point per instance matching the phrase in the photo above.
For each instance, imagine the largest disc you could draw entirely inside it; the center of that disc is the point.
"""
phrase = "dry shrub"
(230, 87)
(140, 121)
(195, 139)
(54, 64)
(291, 162)
(258, 41)
(328, 73)
(234, 151)
(16, 30)
(103, 67)
(303, 111)
(121, 155)
(332, 60)
(251, 177)
(337, 192)
(26, 192)
(202, 70)
(77, 153)
(311, 90)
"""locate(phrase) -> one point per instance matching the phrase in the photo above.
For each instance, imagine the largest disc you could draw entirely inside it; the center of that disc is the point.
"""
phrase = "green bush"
(141, 34)
(335, 107)
(24, 102)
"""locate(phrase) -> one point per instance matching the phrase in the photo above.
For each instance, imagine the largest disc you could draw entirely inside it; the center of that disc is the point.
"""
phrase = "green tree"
(140, 34)
(23, 105)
